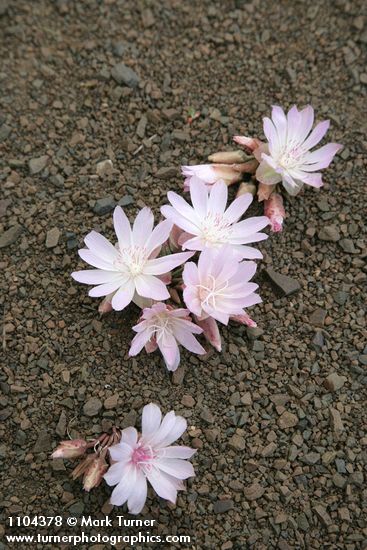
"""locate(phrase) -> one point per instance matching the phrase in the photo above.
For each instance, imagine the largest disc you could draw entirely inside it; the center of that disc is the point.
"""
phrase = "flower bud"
(264, 191)
(210, 331)
(227, 173)
(244, 319)
(105, 306)
(95, 472)
(249, 143)
(228, 157)
(246, 187)
(248, 167)
(174, 295)
(70, 449)
(274, 210)
(174, 237)
(82, 467)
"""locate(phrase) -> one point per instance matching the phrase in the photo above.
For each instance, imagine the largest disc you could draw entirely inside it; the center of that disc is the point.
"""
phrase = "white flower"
(151, 457)
(130, 269)
(165, 327)
(287, 157)
(209, 224)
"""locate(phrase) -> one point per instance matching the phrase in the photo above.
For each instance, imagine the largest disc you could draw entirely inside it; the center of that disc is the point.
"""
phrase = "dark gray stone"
(122, 74)
(284, 284)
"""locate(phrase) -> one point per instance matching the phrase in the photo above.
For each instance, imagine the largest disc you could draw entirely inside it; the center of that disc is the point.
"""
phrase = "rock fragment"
(284, 284)
(36, 165)
(329, 233)
(254, 491)
(334, 382)
(10, 236)
(336, 421)
(221, 506)
(237, 442)
(104, 206)
(104, 168)
(123, 74)
(287, 420)
(52, 237)
(92, 406)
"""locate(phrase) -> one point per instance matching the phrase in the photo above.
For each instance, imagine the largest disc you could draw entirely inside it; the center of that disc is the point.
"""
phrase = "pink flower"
(218, 286)
(130, 269)
(164, 327)
(70, 449)
(210, 174)
(211, 225)
(274, 209)
(287, 157)
(149, 457)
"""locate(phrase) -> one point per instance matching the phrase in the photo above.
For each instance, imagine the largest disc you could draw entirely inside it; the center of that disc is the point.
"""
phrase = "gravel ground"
(279, 417)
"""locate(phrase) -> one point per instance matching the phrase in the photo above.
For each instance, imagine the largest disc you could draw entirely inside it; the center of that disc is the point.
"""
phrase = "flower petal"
(149, 286)
(199, 198)
(151, 419)
(122, 227)
(176, 467)
(180, 220)
(169, 349)
(316, 135)
(238, 207)
(129, 436)
(166, 263)
(163, 485)
(123, 296)
(218, 197)
(95, 276)
(178, 451)
(159, 235)
(100, 246)
(143, 226)
(124, 489)
(91, 259)
(105, 289)
(138, 496)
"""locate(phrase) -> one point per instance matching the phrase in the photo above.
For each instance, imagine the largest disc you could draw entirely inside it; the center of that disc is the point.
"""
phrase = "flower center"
(160, 325)
(290, 157)
(132, 260)
(215, 228)
(209, 292)
(143, 457)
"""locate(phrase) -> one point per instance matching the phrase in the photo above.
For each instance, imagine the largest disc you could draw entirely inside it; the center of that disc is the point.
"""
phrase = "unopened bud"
(210, 331)
(246, 187)
(248, 167)
(174, 295)
(244, 319)
(227, 173)
(228, 157)
(174, 236)
(264, 191)
(70, 449)
(105, 306)
(274, 210)
(249, 143)
(95, 472)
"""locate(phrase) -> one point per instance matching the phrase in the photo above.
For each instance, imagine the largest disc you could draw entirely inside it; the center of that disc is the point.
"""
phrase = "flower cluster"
(284, 161)
(129, 460)
(187, 274)
(144, 260)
